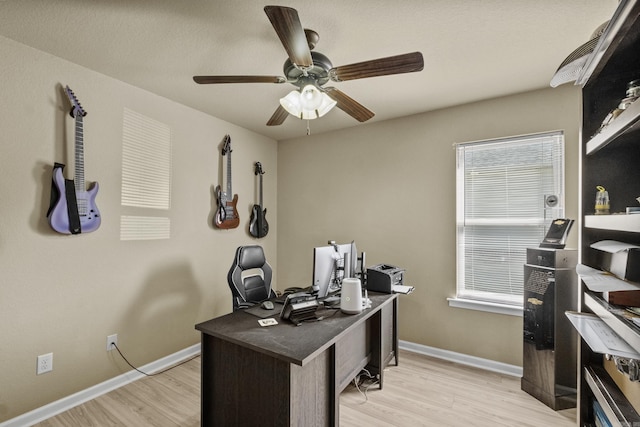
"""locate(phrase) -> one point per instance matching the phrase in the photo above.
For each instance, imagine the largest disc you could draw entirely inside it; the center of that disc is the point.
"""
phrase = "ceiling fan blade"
(349, 105)
(287, 24)
(238, 79)
(278, 116)
(406, 63)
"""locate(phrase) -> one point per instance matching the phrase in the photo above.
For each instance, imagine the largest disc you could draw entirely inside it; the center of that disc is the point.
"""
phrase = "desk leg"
(384, 339)
(395, 330)
(334, 386)
(376, 339)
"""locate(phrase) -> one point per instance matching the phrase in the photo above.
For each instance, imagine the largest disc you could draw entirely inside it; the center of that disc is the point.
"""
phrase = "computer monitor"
(329, 267)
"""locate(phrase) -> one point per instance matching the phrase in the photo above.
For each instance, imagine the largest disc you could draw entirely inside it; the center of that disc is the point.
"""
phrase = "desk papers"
(402, 289)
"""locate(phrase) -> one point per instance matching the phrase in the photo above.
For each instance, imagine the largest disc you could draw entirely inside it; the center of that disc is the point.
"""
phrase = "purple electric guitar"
(73, 208)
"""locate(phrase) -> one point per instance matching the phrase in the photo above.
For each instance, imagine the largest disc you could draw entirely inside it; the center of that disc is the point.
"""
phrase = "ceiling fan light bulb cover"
(308, 114)
(327, 105)
(310, 97)
(291, 103)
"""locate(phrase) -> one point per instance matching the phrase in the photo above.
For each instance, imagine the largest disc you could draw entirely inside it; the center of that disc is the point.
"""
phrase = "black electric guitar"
(258, 227)
(227, 214)
(73, 207)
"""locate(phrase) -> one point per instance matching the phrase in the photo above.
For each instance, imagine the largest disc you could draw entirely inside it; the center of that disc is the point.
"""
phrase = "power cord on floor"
(155, 373)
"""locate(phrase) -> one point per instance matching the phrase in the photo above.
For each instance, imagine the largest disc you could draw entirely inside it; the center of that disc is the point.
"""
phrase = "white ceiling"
(473, 49)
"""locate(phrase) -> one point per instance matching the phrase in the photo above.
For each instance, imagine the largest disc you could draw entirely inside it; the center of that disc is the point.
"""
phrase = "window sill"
(490, 307)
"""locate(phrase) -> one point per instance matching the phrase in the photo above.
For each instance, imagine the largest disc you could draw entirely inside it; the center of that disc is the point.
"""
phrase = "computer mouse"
(267, 305)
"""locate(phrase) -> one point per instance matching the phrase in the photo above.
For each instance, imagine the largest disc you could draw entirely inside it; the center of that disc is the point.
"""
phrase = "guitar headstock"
(76, 108)
(226, 147)
(258, 169)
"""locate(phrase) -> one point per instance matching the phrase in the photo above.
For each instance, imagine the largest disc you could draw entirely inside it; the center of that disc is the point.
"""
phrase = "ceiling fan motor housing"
(318, 72)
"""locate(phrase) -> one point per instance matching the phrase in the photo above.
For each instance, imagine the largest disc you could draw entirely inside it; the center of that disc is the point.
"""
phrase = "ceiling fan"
(309, 71)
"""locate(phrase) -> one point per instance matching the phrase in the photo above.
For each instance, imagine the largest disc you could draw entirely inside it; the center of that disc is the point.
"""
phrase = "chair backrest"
(253, 288)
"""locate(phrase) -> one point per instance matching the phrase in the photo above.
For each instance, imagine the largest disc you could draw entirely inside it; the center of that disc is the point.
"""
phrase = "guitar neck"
(229, 192)
(79, 156)
(260, 191)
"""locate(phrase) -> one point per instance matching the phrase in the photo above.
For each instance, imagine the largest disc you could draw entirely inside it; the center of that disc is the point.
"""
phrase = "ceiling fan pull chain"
(308, 129)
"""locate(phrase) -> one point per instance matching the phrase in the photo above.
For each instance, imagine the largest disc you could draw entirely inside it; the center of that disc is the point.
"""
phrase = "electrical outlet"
(45, 363)
(112, 340)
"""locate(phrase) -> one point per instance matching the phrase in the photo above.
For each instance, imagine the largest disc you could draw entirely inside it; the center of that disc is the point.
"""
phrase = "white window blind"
(501, 189)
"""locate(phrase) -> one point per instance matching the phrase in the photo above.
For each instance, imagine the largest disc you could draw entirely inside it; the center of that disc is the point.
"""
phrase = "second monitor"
(329, 267)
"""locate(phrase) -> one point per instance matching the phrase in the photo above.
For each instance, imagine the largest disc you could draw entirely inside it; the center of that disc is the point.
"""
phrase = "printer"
(384, 278)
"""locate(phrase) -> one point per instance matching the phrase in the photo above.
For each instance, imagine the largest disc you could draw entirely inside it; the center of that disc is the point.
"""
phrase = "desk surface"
(285, 341)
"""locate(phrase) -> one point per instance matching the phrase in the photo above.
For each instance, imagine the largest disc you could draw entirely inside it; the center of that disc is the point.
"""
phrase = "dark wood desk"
(286, 375)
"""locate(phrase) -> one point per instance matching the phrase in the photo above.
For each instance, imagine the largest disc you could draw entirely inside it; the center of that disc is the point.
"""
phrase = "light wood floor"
(421, 391)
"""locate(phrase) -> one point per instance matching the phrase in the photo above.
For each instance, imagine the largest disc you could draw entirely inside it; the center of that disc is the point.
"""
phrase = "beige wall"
(391, 187)
(65, 294)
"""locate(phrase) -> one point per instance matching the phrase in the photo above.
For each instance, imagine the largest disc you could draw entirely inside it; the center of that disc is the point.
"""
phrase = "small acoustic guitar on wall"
(73, 208)
(227, 214)
(258, 226)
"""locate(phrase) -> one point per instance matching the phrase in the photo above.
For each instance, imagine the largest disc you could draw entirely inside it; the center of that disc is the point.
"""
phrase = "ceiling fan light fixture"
(295, 105)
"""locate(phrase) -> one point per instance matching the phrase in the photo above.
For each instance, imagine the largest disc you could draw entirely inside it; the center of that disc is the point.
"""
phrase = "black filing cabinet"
(550, 342)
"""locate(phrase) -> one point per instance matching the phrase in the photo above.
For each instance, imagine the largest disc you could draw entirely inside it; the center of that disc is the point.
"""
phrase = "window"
(503, 207)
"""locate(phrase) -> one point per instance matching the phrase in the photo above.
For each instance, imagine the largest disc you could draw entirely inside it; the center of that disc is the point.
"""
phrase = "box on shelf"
(618, 258)
(628, 298)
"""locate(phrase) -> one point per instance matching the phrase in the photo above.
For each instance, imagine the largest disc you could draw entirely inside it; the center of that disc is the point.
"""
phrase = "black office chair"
(250, 288)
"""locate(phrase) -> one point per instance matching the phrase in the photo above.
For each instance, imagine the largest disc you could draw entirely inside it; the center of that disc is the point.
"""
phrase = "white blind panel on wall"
(144, 228)
(146, 162)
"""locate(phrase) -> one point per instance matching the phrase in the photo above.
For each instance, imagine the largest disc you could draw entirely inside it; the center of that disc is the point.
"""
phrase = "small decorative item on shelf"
(634, 209)
(632, 94)
(602, 201)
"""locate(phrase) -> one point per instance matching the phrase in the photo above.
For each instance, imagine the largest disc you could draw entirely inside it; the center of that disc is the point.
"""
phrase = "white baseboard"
(66, 403)
(478, 362)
